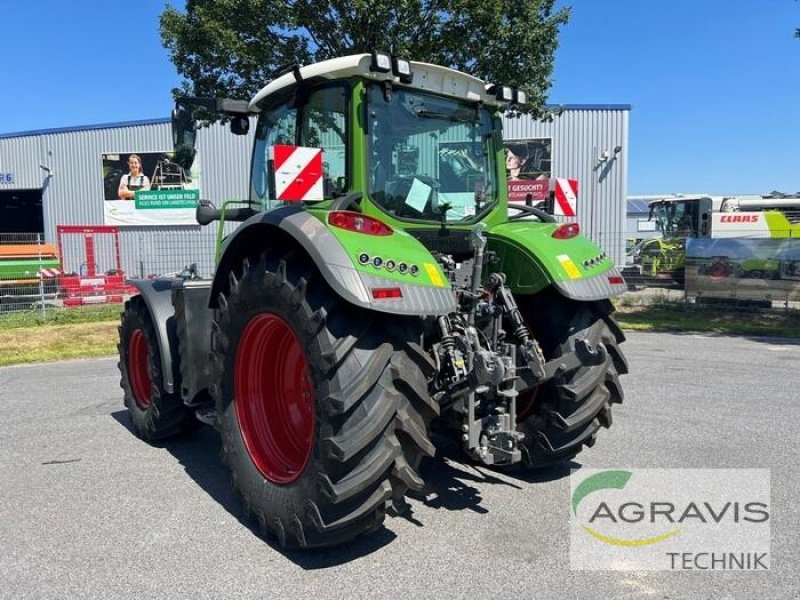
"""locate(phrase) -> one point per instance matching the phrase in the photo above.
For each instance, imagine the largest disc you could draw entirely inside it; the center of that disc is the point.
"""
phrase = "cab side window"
(275, 126)
(325, 126)
(320, 121)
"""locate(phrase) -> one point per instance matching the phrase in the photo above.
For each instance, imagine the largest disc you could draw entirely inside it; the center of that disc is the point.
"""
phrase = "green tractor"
(342, 325)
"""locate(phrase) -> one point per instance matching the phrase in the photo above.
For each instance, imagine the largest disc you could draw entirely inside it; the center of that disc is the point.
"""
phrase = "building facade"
(71, 176)
(590, 144)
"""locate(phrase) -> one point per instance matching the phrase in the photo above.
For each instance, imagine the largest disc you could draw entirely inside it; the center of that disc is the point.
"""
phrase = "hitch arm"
(584, 355)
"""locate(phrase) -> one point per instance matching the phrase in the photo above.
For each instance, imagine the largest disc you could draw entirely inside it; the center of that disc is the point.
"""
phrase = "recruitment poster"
(148, 188)
(529, 168)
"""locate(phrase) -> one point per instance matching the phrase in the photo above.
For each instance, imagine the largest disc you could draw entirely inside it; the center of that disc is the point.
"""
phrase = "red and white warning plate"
(566, 193)
(298, 173)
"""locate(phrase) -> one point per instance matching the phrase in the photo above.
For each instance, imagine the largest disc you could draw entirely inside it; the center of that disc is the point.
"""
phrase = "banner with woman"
(148, 188)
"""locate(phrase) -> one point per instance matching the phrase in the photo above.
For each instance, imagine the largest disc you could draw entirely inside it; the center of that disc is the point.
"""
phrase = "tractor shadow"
(452, 483)
(199, 455)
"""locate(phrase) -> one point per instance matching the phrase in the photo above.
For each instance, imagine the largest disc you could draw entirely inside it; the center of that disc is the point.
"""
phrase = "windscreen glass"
(430, 157)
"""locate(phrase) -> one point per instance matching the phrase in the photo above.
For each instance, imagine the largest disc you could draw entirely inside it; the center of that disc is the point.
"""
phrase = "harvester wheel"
(564, 414)
(323, 407)
(155, 414)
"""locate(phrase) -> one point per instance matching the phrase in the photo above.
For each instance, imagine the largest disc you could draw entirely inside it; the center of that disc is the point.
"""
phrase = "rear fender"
(157, 295)
(532, 260)
(427, 293)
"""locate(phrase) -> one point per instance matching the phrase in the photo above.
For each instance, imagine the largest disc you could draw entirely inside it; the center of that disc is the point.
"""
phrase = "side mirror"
(184, 125)
(184, 135)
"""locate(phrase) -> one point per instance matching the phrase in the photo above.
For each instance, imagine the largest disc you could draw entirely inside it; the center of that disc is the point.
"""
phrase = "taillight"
(566, 231)
(386, 293)
(616, 279)
(353, 221)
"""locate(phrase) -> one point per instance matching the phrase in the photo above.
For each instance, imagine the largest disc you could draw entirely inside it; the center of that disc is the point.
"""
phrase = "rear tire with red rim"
(323, 407)
(274, 398)
(155, 414)
(563, 415)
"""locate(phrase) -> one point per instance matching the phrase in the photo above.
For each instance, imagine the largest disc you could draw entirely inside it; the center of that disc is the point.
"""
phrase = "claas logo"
(739, 219)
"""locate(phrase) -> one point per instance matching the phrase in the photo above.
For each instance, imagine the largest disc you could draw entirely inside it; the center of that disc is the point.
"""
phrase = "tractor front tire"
(323, 407)
(155, 414)
(562, 415)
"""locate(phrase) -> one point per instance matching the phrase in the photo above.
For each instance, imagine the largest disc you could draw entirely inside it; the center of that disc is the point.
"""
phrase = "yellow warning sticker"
(433, 273)
(569, 266)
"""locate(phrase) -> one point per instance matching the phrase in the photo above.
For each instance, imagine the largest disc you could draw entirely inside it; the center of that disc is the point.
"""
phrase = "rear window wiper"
(431, 114)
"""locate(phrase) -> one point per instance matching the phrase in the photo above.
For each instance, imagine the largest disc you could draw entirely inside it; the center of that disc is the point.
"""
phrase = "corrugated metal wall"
(73, 192)
(21, 156)
(581, 135)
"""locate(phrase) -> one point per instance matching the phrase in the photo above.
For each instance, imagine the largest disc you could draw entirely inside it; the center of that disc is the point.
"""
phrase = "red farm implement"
(90, 284)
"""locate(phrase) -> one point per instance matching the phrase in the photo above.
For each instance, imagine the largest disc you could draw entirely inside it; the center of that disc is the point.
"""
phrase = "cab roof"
(427, 77)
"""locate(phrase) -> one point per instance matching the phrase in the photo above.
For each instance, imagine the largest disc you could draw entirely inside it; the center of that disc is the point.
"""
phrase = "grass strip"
(91, 332)
(679, 316)
(57, 342)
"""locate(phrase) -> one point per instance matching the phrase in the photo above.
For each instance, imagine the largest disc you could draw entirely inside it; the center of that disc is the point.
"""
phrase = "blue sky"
(714, 84)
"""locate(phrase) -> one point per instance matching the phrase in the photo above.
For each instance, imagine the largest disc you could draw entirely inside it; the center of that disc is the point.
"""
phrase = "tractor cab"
(405, 142)
(414, 142)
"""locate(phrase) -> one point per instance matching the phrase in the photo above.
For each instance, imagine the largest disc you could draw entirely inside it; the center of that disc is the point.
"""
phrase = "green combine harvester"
(661, 261)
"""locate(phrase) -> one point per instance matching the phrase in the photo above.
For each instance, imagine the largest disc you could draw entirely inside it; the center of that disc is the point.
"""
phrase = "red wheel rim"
(718, 271)
(138, 373)
(273, 397)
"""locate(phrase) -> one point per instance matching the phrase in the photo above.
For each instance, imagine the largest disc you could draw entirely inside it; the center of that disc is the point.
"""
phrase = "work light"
(381, 62)
(402, 69)
(504, 93)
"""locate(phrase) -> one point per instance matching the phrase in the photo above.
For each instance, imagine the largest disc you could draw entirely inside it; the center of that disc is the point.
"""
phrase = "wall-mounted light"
(607, 155)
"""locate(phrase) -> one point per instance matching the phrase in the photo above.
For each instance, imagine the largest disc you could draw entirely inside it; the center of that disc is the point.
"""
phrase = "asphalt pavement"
(87, 510)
